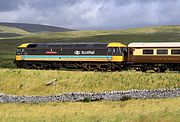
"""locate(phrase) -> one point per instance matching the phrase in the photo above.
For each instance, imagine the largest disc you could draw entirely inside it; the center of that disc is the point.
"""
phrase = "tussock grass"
(33, 82)
(166, 110)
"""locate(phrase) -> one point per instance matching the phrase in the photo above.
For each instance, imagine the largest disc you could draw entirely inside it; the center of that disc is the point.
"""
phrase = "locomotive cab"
(118, 51)
(21, 51)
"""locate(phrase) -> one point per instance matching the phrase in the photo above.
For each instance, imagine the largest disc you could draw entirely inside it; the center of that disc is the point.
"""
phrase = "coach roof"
(155, 44)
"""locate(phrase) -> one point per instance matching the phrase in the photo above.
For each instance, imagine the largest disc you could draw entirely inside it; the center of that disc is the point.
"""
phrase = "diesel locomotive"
(113, 56)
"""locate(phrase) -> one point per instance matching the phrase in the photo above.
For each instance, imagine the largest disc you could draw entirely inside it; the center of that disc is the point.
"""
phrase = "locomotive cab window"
(124, 51)
(147, 51)
(18, 51)
(162, 51)
(115, 51)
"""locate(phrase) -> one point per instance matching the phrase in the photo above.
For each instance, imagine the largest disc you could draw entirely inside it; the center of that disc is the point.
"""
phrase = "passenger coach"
(155, 56)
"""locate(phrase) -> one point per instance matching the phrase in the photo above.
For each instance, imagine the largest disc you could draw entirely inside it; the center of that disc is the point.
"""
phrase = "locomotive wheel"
(156, 69)
(159, 69)
(162, 70)
(138, 69)
(143, 69)
(90, 68)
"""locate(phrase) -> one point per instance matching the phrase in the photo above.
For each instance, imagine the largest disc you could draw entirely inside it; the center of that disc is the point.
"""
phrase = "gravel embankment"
(86, 97)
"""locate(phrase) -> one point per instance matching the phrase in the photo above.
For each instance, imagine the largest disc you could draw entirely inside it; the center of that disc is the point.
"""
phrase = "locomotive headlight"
(18, 57)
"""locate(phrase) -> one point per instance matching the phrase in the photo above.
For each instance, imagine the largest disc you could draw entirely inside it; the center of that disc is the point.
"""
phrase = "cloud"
(10, 5)
(92, 14)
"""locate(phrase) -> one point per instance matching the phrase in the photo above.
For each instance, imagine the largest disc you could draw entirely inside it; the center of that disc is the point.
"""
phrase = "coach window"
(175, 51)
(162, 51)
(147, 51)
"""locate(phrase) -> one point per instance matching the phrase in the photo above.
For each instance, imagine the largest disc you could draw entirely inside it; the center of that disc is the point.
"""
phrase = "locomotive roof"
(61, 43)
(72, 45)
(155, 44)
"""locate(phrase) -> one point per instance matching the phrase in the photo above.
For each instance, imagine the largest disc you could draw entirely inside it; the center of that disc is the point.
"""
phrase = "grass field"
(166, 110)
(33, 82)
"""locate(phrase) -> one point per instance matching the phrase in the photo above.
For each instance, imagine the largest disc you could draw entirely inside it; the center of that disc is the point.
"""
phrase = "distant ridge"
(34, 28)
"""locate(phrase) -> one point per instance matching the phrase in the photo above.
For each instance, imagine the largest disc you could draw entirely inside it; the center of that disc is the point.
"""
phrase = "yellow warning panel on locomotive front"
(23, 45)
(116, 44)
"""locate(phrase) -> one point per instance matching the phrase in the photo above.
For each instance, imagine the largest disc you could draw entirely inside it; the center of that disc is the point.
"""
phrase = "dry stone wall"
(86, 97)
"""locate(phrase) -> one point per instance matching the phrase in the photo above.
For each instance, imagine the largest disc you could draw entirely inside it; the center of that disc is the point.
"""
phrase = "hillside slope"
(157, 30)
(153, 30)
(34, 28)
(6, 32)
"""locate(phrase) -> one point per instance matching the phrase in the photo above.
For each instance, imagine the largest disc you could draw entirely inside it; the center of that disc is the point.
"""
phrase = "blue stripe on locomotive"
(59, 56)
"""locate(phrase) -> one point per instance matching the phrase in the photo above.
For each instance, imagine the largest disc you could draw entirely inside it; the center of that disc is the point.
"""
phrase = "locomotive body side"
(77, 55)
(65, 52)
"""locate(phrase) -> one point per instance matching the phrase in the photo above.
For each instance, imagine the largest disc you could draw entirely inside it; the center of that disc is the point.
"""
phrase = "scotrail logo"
(77, 52)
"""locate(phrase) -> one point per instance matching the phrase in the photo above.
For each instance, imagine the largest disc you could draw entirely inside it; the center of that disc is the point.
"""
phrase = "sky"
(92, 14)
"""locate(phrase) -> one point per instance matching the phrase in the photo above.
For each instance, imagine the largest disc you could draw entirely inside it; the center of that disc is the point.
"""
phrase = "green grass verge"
(33, 82)
(164, 110)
